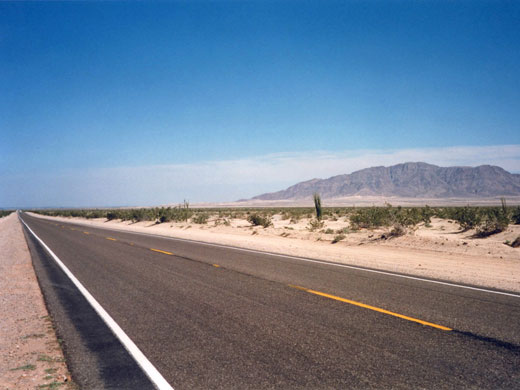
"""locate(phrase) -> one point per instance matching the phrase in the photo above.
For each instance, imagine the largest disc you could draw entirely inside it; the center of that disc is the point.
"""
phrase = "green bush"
(338, 238)
(5, 213)
(493, 220)
(427, 213)
(315, 224)
(467, 217)
(200, 219)
(515, 215)
(111, 215)
(398, 230)
(258, 220)
(371, 217)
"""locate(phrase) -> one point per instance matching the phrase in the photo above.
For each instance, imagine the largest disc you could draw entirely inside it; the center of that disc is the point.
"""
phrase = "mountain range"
(411, 179)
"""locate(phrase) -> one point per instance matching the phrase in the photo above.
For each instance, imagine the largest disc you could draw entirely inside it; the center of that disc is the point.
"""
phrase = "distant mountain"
(412, 180)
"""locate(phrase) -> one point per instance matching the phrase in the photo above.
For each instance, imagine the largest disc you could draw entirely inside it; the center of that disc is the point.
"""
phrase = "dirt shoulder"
(437, 251)
(30, 355)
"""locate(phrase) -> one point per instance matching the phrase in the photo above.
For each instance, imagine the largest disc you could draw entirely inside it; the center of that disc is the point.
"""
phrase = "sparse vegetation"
(33, 336)
(493, 220)
(50, 359)
(515, 215)
(200, 219)
(52, 385)
(5, 213)
(400, 218)
(26, 367)
(315, 224)
(338, 238)
(258, 220)
(484, 220)
(398, 230)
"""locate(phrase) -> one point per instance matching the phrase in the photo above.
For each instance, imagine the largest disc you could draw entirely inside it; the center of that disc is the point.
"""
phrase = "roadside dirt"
(439, 251)
(30, 355)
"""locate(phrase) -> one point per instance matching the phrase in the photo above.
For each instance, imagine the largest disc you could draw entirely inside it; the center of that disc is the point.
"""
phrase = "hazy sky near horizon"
(125, 103)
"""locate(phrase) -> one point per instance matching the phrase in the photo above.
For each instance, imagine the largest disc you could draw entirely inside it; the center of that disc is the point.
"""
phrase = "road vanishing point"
(190, 315)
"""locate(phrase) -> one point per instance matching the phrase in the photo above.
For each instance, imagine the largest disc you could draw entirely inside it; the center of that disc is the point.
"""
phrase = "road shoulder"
(31, 356)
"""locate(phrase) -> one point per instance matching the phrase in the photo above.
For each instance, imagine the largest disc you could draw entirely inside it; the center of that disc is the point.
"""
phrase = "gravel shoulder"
(31, 357)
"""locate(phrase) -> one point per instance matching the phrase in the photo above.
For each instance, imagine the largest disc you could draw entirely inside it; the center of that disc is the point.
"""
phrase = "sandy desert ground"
(438, 251)
(30, 355)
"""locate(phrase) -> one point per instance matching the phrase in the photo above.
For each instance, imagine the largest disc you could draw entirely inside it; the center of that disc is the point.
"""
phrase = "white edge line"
(152, 373)
(301, 259)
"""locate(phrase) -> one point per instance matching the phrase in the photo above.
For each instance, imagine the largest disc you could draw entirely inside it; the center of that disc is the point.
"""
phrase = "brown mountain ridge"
(411, 179)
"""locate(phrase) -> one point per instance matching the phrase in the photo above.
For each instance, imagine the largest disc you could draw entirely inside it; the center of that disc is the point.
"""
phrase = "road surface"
(209, 316)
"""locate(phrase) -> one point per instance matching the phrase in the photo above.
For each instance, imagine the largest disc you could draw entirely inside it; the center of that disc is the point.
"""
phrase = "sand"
(30, 355)
(439, 251)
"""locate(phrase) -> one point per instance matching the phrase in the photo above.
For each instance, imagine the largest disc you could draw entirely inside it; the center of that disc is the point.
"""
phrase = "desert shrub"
(173, 214)
(96, 214)
(200, 219)
(315, 224)
(138, 215)
(164, 215)
(294, 219)
(258, 220)
(516, 243)
(406, 217)
(111, 215)
(400, 218)
(427, 213)
(371, 217)
(5, 213)
(329, 231)
(493, 220)
(515, 215)
(398, 230)
(338, 238)
(447, 212)
(467, 217)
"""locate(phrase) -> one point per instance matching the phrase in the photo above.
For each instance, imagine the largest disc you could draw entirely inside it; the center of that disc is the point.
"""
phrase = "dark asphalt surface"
(241, 325)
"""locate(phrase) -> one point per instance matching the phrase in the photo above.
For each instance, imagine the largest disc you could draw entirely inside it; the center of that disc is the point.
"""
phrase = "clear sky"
(124, 103)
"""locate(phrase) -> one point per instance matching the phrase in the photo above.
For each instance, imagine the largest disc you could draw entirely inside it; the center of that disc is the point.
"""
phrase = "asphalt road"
(212, 317)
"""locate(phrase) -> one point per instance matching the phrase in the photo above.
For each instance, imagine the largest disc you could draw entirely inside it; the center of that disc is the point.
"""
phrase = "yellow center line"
(371, 308)
(110, 238)
(160, 251)
(216, 265)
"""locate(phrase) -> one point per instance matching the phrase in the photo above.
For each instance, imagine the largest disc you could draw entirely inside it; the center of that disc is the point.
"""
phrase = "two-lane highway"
(209, 316)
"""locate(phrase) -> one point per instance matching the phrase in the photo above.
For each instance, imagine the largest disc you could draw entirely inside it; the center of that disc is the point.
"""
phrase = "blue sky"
(122, 103)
